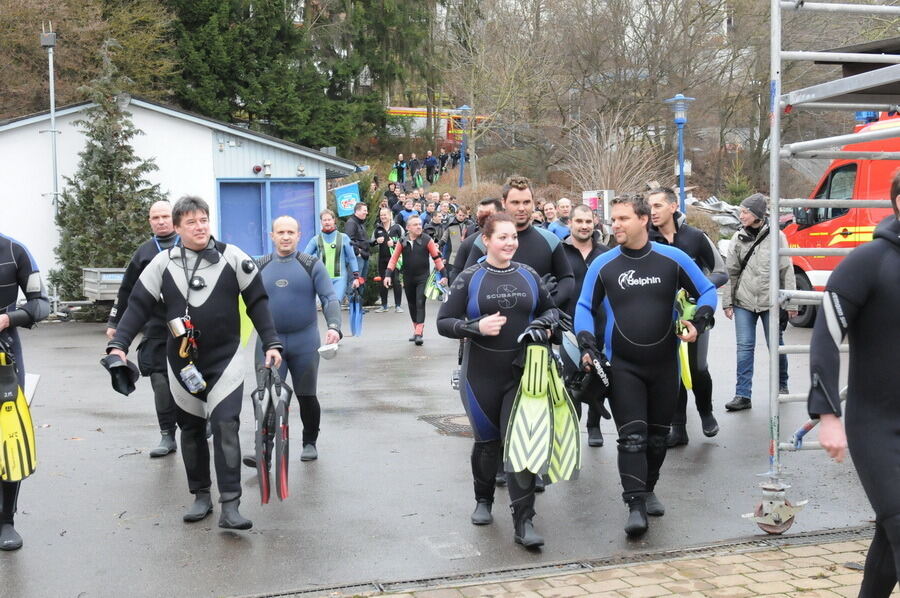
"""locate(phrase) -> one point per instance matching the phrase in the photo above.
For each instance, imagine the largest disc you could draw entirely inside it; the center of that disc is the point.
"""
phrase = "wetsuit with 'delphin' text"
(627, 308)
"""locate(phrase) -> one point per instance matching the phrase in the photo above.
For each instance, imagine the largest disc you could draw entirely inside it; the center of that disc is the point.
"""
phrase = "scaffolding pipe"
(840, 140)
(842, 57)
(848, 106)
(840, 155)
(816, 251)
(862, 9)
(774, 236)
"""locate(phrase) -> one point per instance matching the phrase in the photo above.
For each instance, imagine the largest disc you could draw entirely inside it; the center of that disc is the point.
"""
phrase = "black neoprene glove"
(587, 343)
(550, 283)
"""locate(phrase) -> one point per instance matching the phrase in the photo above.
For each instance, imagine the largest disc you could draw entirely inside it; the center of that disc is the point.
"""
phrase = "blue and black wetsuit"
(18, 270)
(861, 303)
(489, 379)
(152, 348)
(543, 251)
(627, 308)
(292, 283)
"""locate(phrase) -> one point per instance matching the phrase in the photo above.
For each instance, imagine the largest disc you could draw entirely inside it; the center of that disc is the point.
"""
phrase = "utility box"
(101, 284)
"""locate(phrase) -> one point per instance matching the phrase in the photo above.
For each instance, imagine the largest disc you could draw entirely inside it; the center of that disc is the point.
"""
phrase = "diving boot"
(677, 436)
(231, 518)
(417, 338)
(9, 537)
(595, 436)
(482, 513)
(500, 479)
(309, 452)
(524, 526)
(201, 508)
(709, 424)
(655, 508)
(637, 523)
(539, 483)
(166, 446)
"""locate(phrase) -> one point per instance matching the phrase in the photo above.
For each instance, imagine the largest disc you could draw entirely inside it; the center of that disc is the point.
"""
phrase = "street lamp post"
(679, 105)
(464, 123)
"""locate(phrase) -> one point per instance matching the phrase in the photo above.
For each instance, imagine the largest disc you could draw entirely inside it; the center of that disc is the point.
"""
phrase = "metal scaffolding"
(868, 90)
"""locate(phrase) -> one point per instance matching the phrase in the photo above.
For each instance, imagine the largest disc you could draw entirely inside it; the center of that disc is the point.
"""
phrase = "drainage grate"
(748, 545)
(452, 425)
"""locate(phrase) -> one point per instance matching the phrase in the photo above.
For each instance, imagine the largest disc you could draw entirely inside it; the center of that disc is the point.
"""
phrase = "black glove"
(533, 334)
(553, 319)
(599, 364)
(550, 283)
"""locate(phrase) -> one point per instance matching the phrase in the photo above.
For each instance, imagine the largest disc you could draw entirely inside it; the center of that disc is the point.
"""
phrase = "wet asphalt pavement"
(390, 496)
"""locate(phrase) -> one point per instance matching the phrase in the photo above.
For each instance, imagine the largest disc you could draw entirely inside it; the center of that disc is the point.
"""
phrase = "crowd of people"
(517, 273)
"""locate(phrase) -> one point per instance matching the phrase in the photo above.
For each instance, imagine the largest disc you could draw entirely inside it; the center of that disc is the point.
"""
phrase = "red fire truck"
(842, 227)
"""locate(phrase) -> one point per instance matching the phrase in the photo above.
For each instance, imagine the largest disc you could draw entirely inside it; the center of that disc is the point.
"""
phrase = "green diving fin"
(529, 434)
(17, 456)
(686, 308)
(565, 460)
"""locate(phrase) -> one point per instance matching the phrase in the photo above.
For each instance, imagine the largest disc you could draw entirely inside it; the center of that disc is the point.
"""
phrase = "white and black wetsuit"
(18, 270)
(705, 254)
(227, 273)
(489, 378)
(292, 283)
(862, 302)
(152, 348)
(626, 308)
(543, 251)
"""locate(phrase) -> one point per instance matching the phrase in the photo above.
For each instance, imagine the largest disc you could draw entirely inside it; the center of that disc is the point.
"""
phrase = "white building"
(195, 155)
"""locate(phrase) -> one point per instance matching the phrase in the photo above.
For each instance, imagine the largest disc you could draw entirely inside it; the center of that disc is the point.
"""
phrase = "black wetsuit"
(226, 273)
(543, 251)
(699, 248)
(152, 348)
(416, 270)
(862, 302)
(580, 265)
(394, 232)
(18, 270)
(489, 379)
(627, 307)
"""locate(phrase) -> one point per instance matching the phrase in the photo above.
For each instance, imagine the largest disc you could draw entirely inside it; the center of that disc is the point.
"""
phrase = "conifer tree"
(102, 214)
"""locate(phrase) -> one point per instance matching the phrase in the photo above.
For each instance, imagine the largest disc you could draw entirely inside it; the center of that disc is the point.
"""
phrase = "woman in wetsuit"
(416, 248)
(492, 303)
(386, 236)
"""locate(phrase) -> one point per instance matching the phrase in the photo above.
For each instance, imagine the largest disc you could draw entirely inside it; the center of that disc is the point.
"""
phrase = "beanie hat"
(756, 204)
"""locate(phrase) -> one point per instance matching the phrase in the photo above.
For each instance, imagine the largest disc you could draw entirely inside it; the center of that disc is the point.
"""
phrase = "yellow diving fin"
(686, 308)
(529, 433)
(247, 328)
(565, 460)
(17, 456)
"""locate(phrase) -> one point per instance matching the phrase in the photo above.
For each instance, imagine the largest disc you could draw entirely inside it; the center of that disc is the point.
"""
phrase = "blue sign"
(346, 197)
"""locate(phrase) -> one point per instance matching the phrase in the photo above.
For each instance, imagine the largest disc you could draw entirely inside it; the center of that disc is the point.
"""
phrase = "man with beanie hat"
(745, 297)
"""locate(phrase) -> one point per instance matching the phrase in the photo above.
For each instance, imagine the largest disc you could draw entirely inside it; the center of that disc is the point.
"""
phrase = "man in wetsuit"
(538, 248)
(668, 226)
(581, 248)
(334, 249)
(200, 281)
(485, 208)
(292, 281)
(152, 349)
(560, 226)
(355, 228)
(18, 270)
(626, 310)
(861, 303)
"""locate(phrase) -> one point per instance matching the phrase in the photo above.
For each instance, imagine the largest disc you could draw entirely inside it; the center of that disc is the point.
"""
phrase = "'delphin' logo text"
(630, 280)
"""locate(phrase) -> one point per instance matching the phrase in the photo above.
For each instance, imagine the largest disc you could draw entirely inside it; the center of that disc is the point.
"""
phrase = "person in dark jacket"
(414, 165)
(861, 304)
(386, 235)
(152, 349)
(581, 248)
(668, 226)
(443, 157)
(399, 168)
(355, 228)
(431, 167)
(391, 195)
